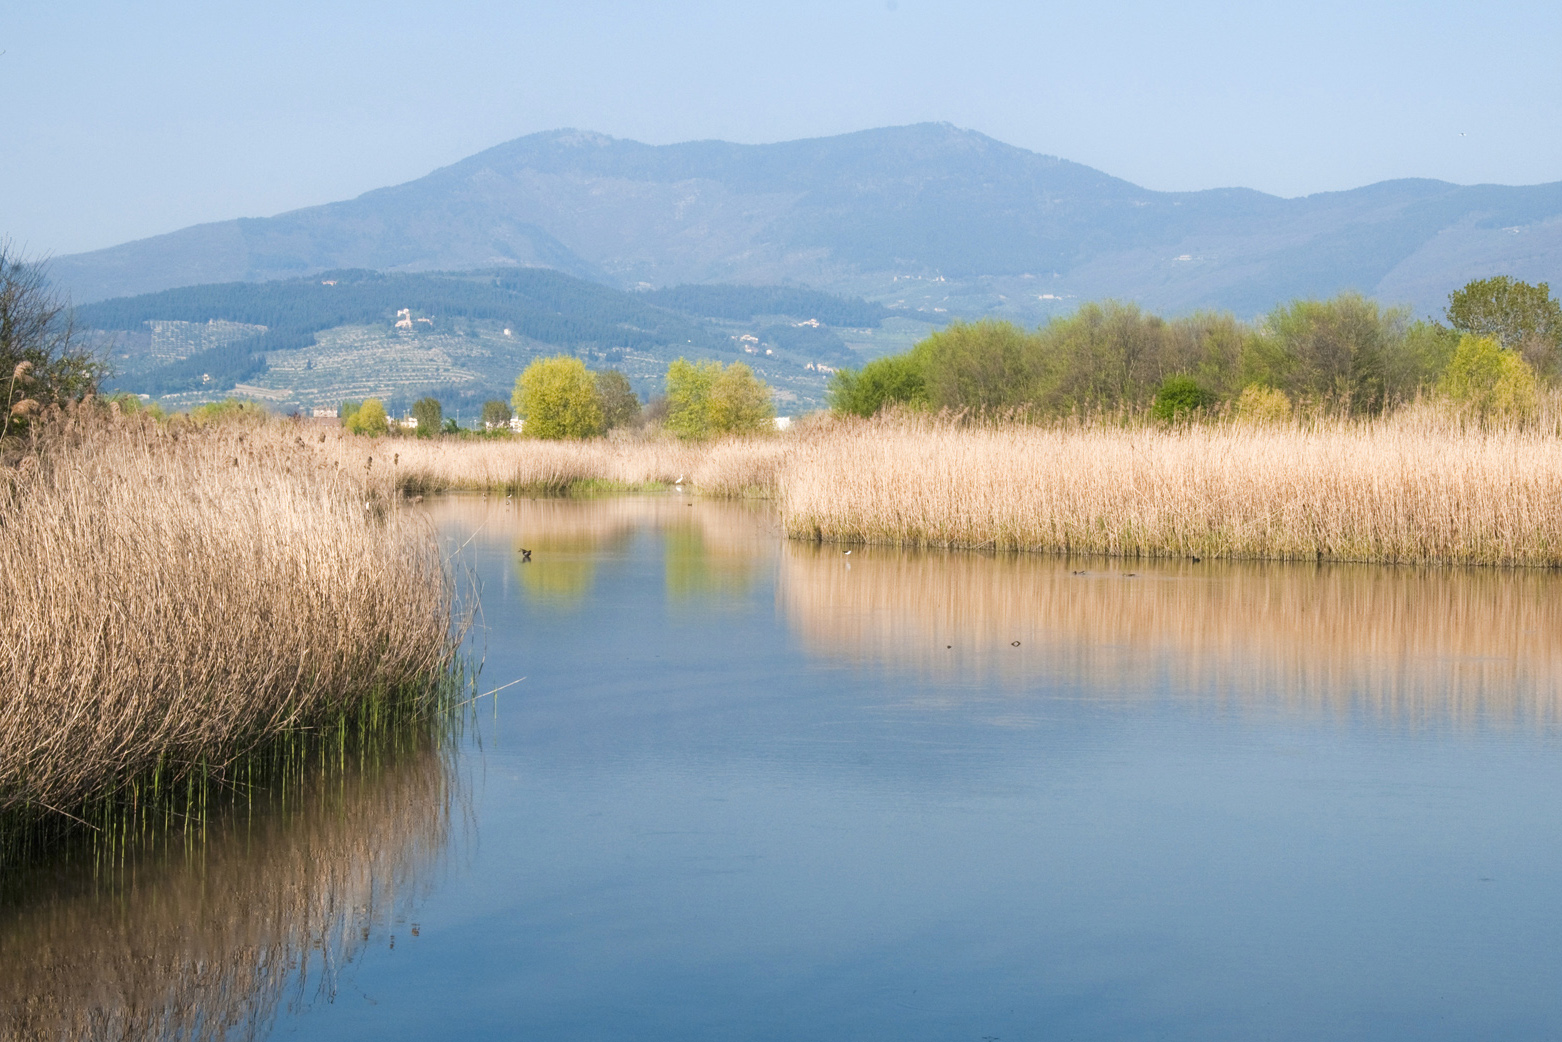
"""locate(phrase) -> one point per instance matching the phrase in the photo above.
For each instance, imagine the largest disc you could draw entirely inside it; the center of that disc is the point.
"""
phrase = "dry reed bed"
(1415, 490)
(731, 468)
(175, 598)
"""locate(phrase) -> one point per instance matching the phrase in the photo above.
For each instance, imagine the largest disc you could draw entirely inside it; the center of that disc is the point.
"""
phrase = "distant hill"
(311, 342)
(925, 219)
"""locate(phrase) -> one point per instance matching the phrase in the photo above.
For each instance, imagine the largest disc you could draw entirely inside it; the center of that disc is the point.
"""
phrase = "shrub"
(1260, 404)
(344, 411)
(1179, 396)
(1489, 381)
(369, 418)
(557, 397)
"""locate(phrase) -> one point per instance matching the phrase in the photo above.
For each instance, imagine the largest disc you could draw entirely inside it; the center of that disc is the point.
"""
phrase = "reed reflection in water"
(1408, 645)
(710, 547)
(208, 937)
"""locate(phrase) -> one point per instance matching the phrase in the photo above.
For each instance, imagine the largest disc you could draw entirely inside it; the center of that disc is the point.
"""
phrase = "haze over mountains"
(927, 218)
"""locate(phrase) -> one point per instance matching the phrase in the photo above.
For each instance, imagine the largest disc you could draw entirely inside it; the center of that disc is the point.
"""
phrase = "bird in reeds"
(848, 553)
(526, 556)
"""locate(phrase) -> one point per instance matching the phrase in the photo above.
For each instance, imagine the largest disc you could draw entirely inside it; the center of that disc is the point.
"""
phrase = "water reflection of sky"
(748, 792)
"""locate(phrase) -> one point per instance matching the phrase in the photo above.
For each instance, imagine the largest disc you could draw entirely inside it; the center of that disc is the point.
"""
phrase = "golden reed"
(1423, 486)
(176, 597)
(1410, 489)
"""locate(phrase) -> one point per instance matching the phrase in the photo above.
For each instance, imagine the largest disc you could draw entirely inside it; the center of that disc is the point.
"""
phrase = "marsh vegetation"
(180, 596)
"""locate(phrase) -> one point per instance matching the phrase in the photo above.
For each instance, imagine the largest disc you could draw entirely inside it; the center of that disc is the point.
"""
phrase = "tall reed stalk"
(175, 599)
(1418, 488)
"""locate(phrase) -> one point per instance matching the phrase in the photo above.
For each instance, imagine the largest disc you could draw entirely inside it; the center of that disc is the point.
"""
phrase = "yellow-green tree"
(740, 402)
(705, 399)
(369, 418)
(1491, 382)
(688, 397)
(557, 397)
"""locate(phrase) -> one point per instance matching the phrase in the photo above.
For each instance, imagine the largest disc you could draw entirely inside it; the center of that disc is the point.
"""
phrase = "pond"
(766, 790)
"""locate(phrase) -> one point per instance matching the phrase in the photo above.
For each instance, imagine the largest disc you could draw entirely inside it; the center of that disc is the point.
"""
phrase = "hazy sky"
(124, 120)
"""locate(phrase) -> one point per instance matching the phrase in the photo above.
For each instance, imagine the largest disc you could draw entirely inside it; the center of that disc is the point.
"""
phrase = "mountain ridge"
(923, 217)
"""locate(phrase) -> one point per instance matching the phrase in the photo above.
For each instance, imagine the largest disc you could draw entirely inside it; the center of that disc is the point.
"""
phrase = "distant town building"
(404, 318)
(783, 422)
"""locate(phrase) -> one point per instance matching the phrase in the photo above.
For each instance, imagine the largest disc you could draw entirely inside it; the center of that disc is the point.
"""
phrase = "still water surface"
(759, 790)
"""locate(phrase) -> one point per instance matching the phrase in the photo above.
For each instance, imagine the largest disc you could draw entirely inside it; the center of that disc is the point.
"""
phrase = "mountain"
(928, 219)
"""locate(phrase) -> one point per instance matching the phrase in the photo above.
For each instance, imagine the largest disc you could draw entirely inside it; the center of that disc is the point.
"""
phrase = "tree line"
(1347, 354)
(559, 397)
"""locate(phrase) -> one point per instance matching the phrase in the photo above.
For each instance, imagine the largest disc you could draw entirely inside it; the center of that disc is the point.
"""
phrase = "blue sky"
(125, 120)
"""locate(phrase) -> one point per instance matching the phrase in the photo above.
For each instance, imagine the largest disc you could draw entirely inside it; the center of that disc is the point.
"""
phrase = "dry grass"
(731, 468)
(1412, 489)
(1423, 486)
(175, 598)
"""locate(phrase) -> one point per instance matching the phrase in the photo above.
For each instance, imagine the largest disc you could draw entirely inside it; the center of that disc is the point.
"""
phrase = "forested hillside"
(473, 328)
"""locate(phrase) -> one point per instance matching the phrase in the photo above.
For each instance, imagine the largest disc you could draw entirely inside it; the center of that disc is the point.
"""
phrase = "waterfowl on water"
(526, 555)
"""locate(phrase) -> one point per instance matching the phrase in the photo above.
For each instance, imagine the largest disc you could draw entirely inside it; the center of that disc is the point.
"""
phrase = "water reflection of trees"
(711, 548)
(1404, 643)
(205, 937)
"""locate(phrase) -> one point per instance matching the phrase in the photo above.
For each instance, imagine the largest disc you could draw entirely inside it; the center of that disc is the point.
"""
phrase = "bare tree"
(43, 360)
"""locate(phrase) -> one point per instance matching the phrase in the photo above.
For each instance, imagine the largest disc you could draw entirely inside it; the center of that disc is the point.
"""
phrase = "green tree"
(369, 418)
(705, 399)
(1519, 316)
(1332, 351)
(983, 365)
(1489, 381)
(620, 404)
(429, 414)
(42, 361)
(557, 397)
(345, 410)
(496, 414)
(688, 397)
(740, 402)
(891, 380)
